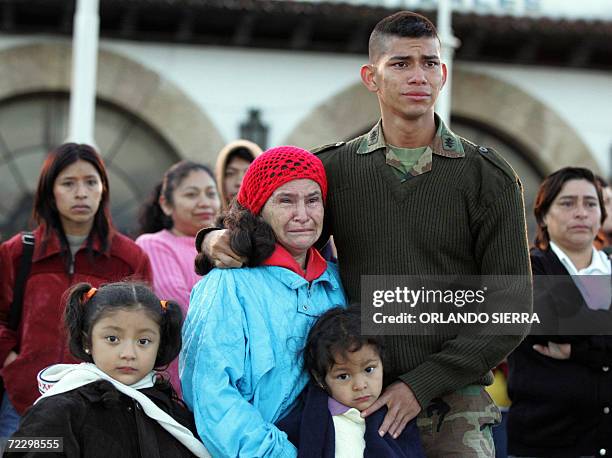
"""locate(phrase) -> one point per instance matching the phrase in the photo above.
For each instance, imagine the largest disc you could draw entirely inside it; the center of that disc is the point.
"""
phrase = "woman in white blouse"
(561, 385)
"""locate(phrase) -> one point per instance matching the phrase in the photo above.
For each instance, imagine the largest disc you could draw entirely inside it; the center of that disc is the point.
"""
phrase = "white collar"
(600, 263)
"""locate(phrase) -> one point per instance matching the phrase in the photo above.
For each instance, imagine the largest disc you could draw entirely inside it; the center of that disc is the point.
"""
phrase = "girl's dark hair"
(45, 209)
(336, 332)
(250, 236)
(152, 217)
(548, 192)
(82, 314)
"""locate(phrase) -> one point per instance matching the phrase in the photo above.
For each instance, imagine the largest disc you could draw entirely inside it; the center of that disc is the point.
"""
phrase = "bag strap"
(25, 264)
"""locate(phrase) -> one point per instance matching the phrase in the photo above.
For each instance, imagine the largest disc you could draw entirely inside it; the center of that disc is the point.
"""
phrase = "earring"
(87, 350)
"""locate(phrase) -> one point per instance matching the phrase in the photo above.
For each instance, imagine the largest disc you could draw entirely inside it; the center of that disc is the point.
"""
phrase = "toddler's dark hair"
(81, 315)
(336, 332)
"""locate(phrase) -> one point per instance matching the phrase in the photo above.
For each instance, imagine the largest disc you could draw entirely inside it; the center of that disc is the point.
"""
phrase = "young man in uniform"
(410, 197)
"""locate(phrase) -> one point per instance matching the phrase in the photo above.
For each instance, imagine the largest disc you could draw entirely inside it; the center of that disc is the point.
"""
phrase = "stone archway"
(122, 82)
(144, 123)
(349, 113)
(546, 139)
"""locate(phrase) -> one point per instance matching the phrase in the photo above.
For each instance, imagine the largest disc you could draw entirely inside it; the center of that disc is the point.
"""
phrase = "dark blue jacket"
(311, 429)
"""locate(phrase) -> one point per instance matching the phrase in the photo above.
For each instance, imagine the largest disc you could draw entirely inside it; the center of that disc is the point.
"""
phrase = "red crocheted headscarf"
(274, 168)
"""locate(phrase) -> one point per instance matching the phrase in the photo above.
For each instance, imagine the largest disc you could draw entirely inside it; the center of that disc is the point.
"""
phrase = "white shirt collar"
(600, 263)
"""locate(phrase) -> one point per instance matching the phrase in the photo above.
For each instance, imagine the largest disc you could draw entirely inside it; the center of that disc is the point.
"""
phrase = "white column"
(84, 70)
(449, 43)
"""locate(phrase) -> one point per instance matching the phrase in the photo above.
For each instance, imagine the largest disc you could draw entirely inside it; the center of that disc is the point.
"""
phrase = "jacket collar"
(53, 246)
(445, 143)
(600, 264)
(293, 280)
(315, 264)
(335, 407)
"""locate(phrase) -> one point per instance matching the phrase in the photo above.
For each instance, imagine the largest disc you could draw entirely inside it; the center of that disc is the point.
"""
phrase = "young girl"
(114, 404)
(347, 377)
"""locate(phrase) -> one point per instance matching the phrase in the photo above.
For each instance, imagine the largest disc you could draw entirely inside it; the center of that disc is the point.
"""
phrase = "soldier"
(410, 197)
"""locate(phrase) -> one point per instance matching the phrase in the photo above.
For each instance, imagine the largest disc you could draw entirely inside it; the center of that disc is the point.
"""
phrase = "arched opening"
(135, 155)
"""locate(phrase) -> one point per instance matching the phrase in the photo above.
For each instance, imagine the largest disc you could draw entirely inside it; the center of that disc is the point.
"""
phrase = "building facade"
(176, 79)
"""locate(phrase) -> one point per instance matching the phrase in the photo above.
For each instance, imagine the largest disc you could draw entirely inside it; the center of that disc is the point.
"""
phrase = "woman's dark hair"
(152, 217)
(602, 181)
(250, 237)
(336, 332)
(45, 209)
(548, 192)
(240, 153)
(81, 314)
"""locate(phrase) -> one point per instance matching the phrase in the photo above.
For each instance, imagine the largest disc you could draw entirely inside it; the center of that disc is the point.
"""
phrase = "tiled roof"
(314, 26)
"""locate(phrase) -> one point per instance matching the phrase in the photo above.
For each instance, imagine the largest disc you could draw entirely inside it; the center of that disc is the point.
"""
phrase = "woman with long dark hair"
(75, 241)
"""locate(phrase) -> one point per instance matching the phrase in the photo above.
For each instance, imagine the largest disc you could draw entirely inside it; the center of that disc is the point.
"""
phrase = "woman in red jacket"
(75, 242)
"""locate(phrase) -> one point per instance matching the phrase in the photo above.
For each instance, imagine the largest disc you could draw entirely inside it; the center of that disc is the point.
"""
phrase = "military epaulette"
(321, 149)
(498, 161)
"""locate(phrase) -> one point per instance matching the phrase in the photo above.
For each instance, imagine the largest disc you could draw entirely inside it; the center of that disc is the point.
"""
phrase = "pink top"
(172, 260)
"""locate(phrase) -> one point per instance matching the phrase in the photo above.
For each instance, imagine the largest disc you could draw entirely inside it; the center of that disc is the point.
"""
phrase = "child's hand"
(402, 407)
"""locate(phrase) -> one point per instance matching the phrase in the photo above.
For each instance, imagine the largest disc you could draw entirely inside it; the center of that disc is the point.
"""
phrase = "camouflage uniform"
(405, 160)
(459, 424)
(445, 143)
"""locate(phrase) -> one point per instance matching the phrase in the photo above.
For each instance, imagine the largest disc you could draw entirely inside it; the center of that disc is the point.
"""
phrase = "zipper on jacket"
(138, 435)
(71, 266)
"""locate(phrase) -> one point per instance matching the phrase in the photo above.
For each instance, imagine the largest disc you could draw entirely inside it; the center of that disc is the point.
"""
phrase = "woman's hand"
(12, 356)
(216, 247)
(402, 407)
(554, 350)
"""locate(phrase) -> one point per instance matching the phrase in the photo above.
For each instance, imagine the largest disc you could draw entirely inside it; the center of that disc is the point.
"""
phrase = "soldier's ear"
(368, 77)
(444, 74)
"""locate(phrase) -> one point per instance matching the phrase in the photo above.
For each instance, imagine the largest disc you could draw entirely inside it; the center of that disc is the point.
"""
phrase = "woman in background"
(75, 241)
(561, 385)
(232, 162)
(185, 201)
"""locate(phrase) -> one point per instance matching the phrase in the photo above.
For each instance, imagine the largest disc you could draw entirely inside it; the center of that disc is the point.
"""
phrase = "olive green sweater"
(465, 216)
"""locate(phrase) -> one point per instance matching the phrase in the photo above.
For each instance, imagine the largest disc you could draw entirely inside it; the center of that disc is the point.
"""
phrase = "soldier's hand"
(402, 407)
(216, 247)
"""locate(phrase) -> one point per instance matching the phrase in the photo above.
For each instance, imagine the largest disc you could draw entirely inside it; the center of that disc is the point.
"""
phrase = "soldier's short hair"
(401, 24)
